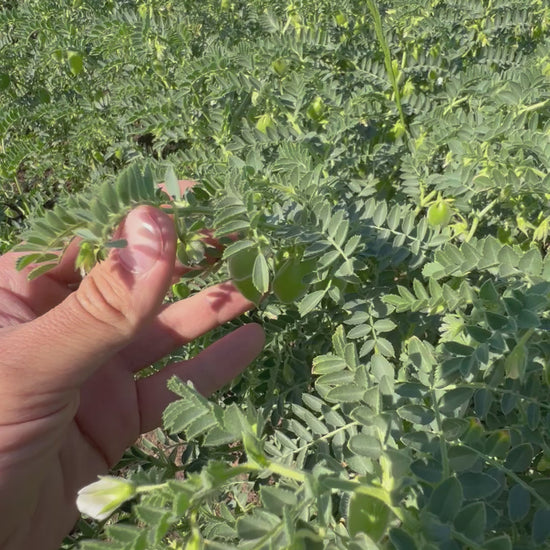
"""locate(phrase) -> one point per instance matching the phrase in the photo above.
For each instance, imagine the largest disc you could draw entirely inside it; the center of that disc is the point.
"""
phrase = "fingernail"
(145, 242)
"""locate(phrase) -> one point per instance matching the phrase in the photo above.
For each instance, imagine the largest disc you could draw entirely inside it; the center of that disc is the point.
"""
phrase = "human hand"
(69, 401)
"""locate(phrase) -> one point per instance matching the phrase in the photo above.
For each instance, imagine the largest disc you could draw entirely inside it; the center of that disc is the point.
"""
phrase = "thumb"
(118, 297)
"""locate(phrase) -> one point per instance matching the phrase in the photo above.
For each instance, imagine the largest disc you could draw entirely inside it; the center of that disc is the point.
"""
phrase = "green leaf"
(455, 398)
(528, 319)
(351, 245)
(260, 274)
(346, 393)
(171, 183)
(87, 235)
(275, 499)
(462, 458)
(427, 470)
(33, 243)
(446, 500)
(193, 413)
(411, 389)
(135, 178)
(99, 545)
(421, 354)
(477, 485)
(531, 262)
(369, 515)
(458, 349)
(454, 428)
(380, 213)
(501, 542)
(76, 63)
(361, 541)
(478, 333)
(256, 525)
(128, 534)
(119, 243)
(508, 402)
(254, 448)
(396, 465)
(5, 81)
(24, 261)
(513, 306)
(533, 415)
(363, 415)
(232, 226)
(310, 302)
(416, 414)
(325, 364)
(230, 212)
(314, 403)
(498, 444)
(314, 424)
(471, 521)
(40, 270)
(519, 458)
(495, 320)
(123, 184)
(541, 525)
(365, 445)
(483, 399)
(109, 198)
(148, 182)
(158, 519)
(237, 247)
(519, 503)
(516, 362)
(401, 539)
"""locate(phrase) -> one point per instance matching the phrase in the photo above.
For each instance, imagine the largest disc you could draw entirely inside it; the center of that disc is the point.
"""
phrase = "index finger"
(43, 293)
(63, 272)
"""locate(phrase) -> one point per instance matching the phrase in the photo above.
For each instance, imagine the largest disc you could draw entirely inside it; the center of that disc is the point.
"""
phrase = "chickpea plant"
(374, 176)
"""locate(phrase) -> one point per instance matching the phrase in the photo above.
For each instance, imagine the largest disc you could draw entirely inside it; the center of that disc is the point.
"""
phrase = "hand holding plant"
(70, 403)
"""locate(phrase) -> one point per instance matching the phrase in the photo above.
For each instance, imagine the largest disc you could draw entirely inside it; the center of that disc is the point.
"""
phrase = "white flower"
(100, 499)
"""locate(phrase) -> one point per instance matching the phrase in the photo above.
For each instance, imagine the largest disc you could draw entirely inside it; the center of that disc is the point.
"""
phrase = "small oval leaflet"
(519, 458)
(519, 503)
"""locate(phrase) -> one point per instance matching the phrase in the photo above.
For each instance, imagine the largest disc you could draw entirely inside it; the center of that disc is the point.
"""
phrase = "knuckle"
(15, 310)
(105, 300)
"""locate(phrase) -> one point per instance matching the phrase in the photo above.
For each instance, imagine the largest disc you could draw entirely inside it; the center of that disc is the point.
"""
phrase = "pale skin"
(70, 403)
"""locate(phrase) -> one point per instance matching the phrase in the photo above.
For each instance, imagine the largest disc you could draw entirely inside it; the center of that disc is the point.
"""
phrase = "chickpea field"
(378, 173)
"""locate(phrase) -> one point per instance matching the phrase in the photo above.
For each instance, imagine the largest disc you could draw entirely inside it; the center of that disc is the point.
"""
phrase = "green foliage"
(388, 184)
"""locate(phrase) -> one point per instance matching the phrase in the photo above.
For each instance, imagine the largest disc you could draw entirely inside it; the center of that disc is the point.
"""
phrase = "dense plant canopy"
(387, 169)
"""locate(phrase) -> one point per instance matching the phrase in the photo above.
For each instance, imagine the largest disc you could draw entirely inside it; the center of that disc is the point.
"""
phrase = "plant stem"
(387, 57)
(149, 488)
(285, 471)
(181, 210)
(321, 438)
(475, 223)
(442, 443)
(510, 474)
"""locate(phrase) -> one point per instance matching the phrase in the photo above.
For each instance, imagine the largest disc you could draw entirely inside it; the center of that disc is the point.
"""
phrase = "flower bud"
(100, 499)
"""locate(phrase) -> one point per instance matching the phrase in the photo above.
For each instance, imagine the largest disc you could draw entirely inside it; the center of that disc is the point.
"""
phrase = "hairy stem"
(373, 8)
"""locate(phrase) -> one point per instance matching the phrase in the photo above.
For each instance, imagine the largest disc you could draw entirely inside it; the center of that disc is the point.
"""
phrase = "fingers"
(209, 371)
(40, 295)
(112, 304)
(43, 293)
(65, 272)
(182, 322)
(47, 291)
